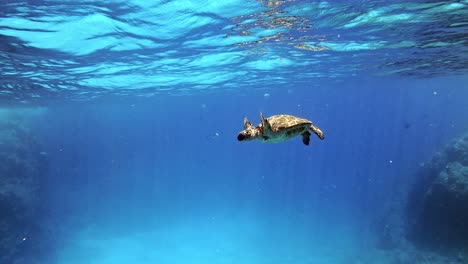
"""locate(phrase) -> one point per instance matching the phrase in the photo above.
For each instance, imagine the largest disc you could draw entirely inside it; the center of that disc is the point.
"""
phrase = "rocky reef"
(426, 220)
(21, 167)
(438, 202)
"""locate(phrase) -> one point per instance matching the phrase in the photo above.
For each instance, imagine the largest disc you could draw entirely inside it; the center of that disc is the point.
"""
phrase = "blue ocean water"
(134, 109)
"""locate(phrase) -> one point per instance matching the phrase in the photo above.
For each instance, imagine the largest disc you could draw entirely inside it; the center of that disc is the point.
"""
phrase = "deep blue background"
(141, 158)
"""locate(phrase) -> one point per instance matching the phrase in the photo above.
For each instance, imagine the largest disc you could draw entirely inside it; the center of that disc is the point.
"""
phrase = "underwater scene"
(233, 132)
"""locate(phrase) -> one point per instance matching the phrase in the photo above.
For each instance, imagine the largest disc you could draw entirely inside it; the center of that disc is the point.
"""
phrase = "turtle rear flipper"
(306, 138)
(317, 131)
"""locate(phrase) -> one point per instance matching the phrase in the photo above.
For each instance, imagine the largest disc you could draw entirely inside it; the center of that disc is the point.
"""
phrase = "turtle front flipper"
(266, 125)
(317, 131)
(306, 138)
(247, 124)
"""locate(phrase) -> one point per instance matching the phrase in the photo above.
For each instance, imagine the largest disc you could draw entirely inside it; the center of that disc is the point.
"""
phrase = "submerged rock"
(21, 168)
(438, 203)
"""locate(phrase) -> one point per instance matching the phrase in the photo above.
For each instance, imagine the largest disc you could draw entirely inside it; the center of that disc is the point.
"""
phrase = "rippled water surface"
(87, 49)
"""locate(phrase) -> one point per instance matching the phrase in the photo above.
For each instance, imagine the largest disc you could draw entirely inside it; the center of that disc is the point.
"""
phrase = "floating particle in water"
(390, 161)
(434, 93)
(203, 105)
(406, 125)
(266, 95)
(213, 135)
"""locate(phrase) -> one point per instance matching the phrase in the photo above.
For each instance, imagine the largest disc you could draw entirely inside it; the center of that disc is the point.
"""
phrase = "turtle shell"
(283, 123)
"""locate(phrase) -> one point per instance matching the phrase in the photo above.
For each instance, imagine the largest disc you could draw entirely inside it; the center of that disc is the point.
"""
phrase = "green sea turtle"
(279, 128)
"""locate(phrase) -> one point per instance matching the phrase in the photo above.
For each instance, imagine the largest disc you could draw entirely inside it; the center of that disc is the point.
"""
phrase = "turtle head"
(249, 133)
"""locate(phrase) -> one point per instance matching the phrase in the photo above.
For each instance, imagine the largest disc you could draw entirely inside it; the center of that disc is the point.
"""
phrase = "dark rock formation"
(438, 202)
(21, 167)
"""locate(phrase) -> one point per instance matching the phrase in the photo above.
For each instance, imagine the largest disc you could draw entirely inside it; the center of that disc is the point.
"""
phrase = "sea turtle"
(279, 128)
